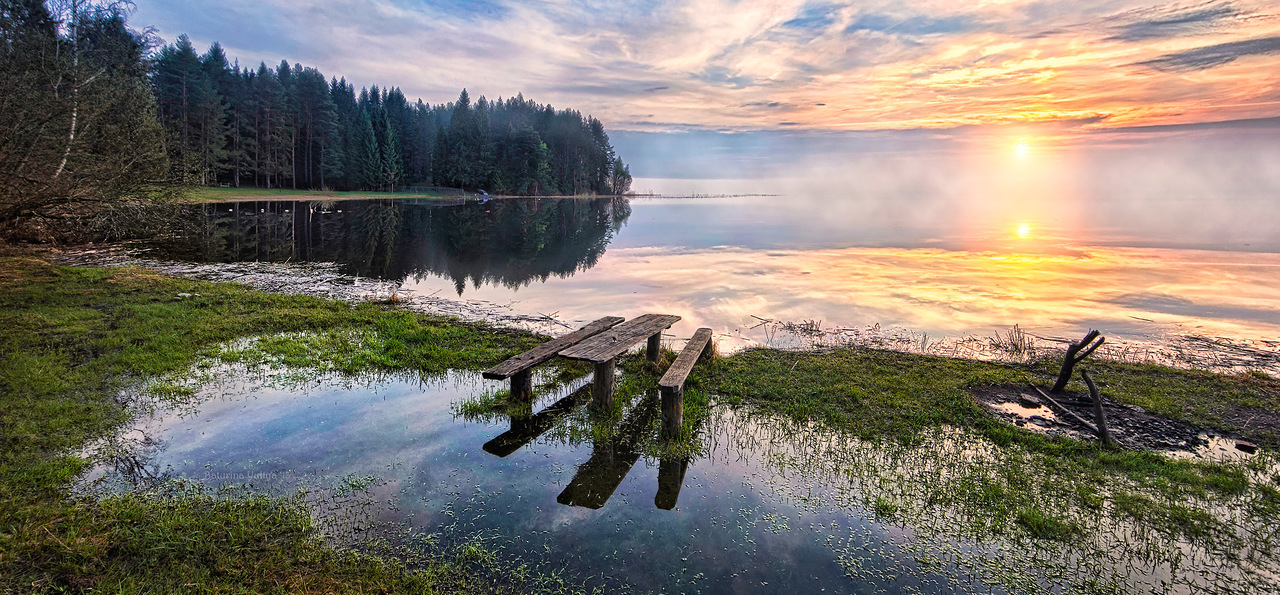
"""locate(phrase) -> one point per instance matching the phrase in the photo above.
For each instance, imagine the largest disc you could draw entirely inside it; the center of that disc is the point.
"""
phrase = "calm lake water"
(848, 268)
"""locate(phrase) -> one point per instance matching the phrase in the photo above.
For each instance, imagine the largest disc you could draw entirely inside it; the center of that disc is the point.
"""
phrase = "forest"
(288, 126)
(94, 114)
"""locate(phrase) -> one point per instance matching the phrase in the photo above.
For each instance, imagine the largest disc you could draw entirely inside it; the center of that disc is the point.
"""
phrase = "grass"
(1044, 526)
(203, 194)
(72, 338)
(877, 395)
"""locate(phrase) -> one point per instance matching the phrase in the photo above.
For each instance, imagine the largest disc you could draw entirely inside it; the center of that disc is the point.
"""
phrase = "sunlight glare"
(1024, 231)
(1022, 148)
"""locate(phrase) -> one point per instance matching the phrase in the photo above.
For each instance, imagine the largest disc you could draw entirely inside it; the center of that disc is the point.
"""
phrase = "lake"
(785, 271)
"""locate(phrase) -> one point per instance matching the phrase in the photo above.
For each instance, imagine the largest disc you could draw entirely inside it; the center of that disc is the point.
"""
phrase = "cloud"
(1164, 22)
(813, 18)
(1211, 56)
(713, 64)
(915, 25)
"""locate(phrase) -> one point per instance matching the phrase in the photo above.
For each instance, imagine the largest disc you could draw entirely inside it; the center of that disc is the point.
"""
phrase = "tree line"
(289, 126)
(92, 113)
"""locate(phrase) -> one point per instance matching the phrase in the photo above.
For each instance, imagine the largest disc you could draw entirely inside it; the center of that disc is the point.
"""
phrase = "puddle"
(1217, 449)
(764, 505)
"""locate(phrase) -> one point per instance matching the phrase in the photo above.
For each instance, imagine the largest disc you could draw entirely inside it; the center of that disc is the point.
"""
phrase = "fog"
(1206, 186)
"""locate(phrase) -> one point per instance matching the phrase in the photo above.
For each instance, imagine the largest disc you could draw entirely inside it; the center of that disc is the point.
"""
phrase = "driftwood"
(1074, 356)
(1061, 409)
(1098, 414)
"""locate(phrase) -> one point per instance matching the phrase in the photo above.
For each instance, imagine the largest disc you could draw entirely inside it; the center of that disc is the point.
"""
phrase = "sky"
(765, 73)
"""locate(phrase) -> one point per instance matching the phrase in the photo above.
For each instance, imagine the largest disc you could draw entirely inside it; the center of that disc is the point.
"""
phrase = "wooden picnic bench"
(519, 368)
(672, 383)
(604, 348)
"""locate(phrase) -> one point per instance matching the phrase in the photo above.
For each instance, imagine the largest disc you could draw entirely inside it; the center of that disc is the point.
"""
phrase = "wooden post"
(602, 384)
(522, 386)
(655, 345)
(1099, 416)
(672, 412)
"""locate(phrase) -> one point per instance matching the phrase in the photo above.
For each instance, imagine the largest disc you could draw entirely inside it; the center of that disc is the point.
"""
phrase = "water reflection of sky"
(1139, 270)
(733, 529)
(1129, 292)
(765, 506)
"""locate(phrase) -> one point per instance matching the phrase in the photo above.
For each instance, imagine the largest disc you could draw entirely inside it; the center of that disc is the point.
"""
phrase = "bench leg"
(672, 412)
(655, 345)
(602, 385)
(522, 386)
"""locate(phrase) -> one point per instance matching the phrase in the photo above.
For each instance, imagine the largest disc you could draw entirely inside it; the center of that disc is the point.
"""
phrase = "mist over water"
(1215, 189)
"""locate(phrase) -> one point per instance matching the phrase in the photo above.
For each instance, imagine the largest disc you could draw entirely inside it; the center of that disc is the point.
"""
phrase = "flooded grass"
(72, 339)
(880, 463)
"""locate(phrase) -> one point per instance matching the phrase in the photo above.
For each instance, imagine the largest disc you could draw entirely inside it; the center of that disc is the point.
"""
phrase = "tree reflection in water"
(507, 242)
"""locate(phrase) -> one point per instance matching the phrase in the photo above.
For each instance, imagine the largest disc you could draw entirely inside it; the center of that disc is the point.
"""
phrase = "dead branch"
(1075, 356)
(1061, 409)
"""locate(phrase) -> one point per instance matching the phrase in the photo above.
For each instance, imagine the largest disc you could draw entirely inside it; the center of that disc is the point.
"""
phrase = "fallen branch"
(1059, 407)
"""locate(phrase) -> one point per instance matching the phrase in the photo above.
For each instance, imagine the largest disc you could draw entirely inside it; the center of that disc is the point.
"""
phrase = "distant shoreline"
(233, 195)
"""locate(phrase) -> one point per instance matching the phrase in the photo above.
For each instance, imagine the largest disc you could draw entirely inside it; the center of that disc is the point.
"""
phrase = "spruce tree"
(392, 167)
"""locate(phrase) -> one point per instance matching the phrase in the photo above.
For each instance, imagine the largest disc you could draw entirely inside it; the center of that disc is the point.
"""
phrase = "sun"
(1022, 148)
(1024, 231)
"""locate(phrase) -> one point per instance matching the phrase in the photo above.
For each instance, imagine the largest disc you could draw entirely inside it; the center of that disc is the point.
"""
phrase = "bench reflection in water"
(611, 458)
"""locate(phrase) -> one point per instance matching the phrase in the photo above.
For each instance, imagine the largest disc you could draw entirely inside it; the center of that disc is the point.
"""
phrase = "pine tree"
(78, 126)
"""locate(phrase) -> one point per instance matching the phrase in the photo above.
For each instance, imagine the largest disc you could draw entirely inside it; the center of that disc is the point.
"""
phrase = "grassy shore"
(72, 338)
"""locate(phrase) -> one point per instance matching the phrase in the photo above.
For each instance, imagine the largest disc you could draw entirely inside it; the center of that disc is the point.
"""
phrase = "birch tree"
(77, 114)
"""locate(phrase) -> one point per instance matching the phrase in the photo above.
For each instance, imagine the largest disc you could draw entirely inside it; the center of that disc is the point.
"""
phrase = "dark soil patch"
(1133, 426)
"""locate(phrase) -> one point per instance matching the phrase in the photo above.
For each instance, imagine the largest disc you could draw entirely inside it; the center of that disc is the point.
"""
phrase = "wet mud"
(1132, 426)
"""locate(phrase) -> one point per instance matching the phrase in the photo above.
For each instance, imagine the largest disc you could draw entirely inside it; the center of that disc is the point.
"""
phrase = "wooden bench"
(672, 383)
(604, 348)
(518, 368)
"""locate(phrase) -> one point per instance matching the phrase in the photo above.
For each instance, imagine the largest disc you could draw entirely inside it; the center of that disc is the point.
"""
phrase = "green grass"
(884, 395)
(1044, 526)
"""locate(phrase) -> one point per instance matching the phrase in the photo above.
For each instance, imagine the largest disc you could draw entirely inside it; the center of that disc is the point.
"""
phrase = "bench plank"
(608, 345)
(548, 350)
(680, 368)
